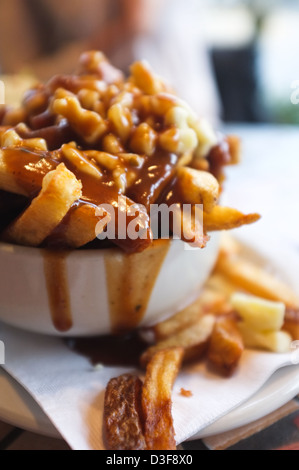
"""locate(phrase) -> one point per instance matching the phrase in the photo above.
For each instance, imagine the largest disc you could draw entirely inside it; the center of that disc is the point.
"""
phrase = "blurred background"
(254, 46)
(243, 54)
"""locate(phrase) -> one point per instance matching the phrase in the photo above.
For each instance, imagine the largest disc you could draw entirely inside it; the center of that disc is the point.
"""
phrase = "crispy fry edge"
(59, 191)
(161, 373)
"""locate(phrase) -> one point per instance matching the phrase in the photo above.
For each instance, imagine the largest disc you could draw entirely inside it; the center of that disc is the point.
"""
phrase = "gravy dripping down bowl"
(99, 292)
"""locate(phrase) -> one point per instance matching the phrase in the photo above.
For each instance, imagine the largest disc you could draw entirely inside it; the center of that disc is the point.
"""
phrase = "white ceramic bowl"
(24, 298)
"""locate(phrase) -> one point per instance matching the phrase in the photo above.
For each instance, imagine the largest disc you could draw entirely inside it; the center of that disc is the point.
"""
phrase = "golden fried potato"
(221, 286)
(188, 226)
(291, 323)
(34, 167)
(226, 345)
(122, 414)
(60, 189)
(161, 373)
(194, 340)
(177, 322)
(209, 301)
(81, 226)
(7, 179)
(234, 144)
(226, 218)
(229, 246)
(255, 280)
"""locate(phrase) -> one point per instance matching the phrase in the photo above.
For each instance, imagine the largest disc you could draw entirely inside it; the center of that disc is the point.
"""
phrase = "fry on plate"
(255, 280)
(177, 322)
(209, 301)
(235, 149)
(123, 428)
(220, 286)
(229, 245)
(291, 323)
(60, 189)
(161, 373)
(194, 340)
(226, 345)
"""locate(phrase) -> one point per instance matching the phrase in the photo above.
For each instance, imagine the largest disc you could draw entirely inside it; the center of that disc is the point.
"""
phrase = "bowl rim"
(10, 248)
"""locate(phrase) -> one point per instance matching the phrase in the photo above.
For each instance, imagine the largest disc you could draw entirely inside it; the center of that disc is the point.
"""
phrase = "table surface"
(267, 182)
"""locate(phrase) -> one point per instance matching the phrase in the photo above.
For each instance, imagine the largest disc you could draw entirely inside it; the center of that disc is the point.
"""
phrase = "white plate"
(19, 409)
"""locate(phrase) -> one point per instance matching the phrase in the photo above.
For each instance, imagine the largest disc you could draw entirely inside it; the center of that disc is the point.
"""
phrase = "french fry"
(194, 340)
(3, 129)
(22, 170)
(226, 218)
(188, 226)
(229, 246)
(234, 144)
(198, 187)
(161, 373)
(255, 280)
(291, 323)
(7, 179)
(219, 284)
(60, 190)
(177, 322)
(122, 208)
(209, 301)
(122, 414)
(80, 226)
(214, 301)
(226, 345)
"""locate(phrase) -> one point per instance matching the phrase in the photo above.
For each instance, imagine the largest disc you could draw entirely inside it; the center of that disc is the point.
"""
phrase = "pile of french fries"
(83, 140)
(241, 306)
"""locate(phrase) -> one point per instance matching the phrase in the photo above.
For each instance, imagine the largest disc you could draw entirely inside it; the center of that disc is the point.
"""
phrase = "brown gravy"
(58, 289)
(110, 350)
(28, 168)
(130, 282)
(153, 178)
